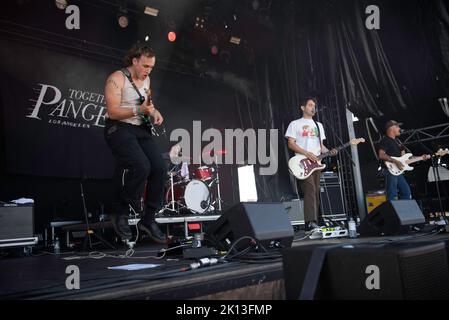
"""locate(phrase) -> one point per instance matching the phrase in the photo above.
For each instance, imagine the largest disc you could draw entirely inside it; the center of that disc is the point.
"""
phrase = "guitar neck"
(416, 159)
(327, 154)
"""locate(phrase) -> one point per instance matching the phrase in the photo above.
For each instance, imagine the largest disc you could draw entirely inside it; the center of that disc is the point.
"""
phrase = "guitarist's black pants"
(310, 187)
(140, 162)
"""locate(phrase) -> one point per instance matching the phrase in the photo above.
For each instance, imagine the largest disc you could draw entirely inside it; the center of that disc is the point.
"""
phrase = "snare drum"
(203, 173)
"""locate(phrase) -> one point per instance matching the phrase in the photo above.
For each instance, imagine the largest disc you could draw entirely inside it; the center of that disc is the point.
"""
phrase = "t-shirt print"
(307, 131)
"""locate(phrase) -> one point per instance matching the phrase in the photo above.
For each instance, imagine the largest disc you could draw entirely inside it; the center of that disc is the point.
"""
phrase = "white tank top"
(130, 98)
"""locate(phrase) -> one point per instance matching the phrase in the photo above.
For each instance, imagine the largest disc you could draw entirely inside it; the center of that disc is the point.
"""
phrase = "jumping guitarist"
(305, 137)
(129, 138)
(390, 149)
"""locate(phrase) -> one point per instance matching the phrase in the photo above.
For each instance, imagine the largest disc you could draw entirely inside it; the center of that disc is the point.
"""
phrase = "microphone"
(313, 110)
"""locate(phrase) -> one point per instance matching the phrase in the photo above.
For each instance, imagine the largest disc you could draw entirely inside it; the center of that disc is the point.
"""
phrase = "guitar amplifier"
(331, 197)
(295, 210)
(16, 225)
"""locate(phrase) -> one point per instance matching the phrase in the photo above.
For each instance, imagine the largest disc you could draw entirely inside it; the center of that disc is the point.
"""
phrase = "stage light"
(147, 38)
(61, 4)
(214, 49)
(151, 11)
(444, 105)
(200, 22)
(171, 36)
(123, 20)
(235, 40)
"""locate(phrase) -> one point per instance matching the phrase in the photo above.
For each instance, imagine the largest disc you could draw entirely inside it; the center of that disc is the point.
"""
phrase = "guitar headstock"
(442, 152)
(355, 142)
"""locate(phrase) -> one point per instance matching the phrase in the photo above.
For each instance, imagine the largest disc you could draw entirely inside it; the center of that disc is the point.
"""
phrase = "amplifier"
(329, 177)
(331, 202)
(295, 210)
(16, 225)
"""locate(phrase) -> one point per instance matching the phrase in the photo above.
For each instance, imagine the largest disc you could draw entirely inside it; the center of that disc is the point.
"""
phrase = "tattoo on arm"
(112, 83)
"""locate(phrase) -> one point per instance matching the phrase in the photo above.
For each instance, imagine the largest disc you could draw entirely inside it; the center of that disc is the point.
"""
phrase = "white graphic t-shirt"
(305, 132)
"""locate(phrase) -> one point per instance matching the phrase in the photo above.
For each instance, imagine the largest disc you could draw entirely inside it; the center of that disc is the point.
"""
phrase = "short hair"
(138, 50)
(305, 100)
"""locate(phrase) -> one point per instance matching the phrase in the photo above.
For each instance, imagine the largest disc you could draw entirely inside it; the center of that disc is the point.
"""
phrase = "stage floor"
(43, 276)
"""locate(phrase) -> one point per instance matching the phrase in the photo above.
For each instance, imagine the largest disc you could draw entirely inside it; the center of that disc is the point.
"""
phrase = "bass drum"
(195, 196)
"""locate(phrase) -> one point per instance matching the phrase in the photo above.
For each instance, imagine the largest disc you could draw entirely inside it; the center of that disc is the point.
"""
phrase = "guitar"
(302, 167)
(147, 122)
(407, 159)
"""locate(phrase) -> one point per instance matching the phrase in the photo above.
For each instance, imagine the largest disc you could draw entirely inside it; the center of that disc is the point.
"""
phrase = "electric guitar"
(147, 122)
(302, 167)
(408, 159)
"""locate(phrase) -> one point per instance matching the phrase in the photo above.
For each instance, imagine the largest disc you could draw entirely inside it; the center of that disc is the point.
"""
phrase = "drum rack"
(186, 220)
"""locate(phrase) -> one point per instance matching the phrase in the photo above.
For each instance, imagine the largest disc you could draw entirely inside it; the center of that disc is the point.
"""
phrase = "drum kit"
(197, 193)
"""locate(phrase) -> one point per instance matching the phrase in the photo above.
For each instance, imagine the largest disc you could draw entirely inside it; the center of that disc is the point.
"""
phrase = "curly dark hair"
(306, 99)
(138, 50)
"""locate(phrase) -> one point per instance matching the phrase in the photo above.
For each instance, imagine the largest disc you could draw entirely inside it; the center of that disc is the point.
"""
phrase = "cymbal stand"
(218, 185)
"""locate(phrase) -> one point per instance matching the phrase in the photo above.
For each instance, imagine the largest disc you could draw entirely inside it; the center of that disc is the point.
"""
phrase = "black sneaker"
(148, 225)
(121, 226)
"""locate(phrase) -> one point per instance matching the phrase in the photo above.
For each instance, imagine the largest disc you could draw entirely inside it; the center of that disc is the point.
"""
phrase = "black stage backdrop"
(53, 118)
(53, 113)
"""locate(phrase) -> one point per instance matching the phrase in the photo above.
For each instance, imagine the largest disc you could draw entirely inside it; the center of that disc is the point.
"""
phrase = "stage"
(43, 275)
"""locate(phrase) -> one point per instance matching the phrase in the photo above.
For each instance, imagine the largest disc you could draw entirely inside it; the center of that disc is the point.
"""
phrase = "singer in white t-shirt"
(305, 136)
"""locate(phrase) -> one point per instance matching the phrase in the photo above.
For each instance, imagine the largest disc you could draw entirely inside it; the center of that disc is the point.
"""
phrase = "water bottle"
(352, 228)
(57, 246)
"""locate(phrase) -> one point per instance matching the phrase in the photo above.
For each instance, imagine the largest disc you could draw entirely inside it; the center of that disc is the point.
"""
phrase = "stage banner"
(53, 111)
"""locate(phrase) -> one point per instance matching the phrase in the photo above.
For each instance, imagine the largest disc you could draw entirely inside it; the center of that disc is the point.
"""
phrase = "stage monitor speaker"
(392, 218)
(266, 222)
(16, 221)
(393, 271)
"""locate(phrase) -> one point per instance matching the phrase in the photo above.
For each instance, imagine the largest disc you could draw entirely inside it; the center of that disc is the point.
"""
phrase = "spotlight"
(235, 40)
(147, 38)
(61, 4)
(151, 11)
(122, 17)
(444, 105)
(171, 36)
(123, 20)
(200, 23)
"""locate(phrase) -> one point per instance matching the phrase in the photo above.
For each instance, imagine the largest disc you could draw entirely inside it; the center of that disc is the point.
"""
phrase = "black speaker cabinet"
(395, 271)
(391, 218)
(266, 222)
(331, 200)
(16, 222)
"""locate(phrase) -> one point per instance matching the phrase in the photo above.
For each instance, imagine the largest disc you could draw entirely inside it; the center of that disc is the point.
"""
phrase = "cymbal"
(180, 159)
(220, 152)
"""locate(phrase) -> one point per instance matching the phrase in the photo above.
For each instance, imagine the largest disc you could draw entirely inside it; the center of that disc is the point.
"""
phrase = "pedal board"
(328, 233)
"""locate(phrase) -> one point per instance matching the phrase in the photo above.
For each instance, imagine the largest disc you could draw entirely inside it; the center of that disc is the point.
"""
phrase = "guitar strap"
(127, 74)
(319, 131)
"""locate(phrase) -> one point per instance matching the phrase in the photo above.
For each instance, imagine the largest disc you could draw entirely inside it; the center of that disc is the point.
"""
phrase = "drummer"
(181, 170)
